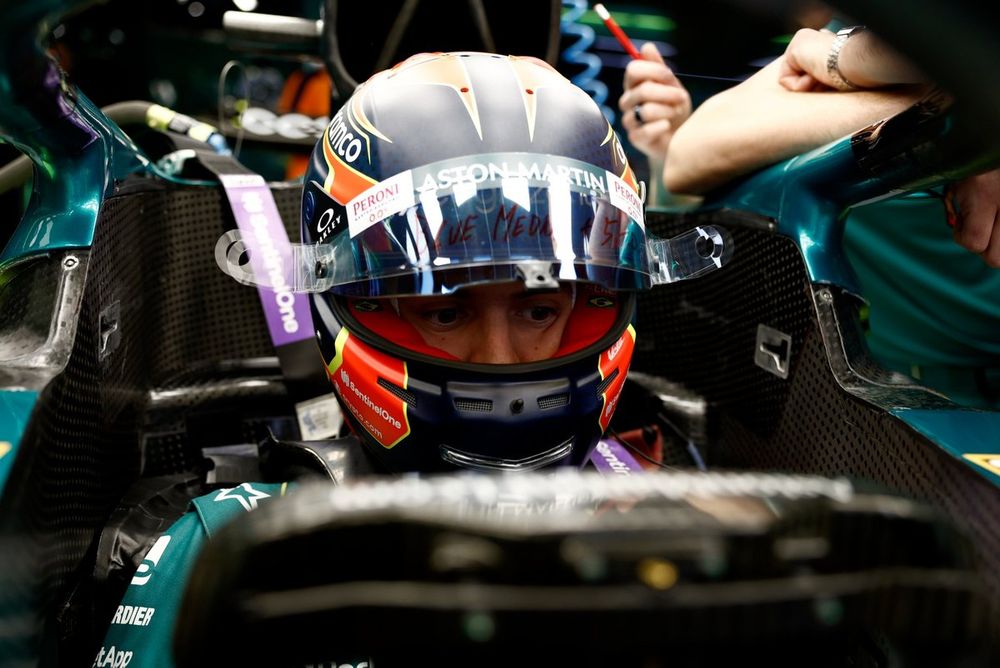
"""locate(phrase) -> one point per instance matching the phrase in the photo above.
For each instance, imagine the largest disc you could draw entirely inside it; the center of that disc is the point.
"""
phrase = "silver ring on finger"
(637, 112)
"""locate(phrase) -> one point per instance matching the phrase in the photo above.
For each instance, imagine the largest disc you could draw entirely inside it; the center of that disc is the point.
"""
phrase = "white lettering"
(144, 572)
(617, 465)
(133, 615)
(324, 221)
(615, 349)
(113, 658)
(480, 172)
(275, 270)
(379, 410)
(339, 135)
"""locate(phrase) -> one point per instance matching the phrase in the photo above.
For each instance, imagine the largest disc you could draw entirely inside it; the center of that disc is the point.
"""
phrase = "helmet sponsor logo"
(378, 410)
(379, 202)
(355, 372)
(616, 348)
(327, 222)
(618, 356)
(601, 301)
(624, 197)
(496, 171)
(342, 140)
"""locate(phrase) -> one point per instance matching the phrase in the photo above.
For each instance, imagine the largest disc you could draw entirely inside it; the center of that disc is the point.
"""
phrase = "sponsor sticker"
(621, 195)
(618, 356)
(319, 418)
(355, 371)
(382, 200)
(600, 301)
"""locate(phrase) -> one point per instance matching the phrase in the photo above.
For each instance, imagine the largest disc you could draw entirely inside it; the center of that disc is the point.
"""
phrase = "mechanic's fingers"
(978, 203)
(975, 225)
(798, 83)
(650, 91)
(654, 111)
(651, 53)
(650, 68)
(650, 134)
(992, 254)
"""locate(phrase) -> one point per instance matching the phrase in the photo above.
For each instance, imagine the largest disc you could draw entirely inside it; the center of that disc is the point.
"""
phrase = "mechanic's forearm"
(868, 62)
(758, 122)
(725, 140)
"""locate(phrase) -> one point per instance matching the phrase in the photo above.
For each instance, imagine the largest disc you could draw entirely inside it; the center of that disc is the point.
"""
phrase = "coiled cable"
(577, 54)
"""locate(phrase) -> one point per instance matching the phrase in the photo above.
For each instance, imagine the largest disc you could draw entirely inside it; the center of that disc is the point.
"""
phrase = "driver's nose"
(493, 343)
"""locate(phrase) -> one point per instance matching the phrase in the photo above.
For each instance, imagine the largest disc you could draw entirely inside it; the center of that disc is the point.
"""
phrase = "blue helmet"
(462, 169)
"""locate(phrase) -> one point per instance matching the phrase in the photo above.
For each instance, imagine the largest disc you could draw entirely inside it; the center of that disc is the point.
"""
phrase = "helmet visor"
(500, 216)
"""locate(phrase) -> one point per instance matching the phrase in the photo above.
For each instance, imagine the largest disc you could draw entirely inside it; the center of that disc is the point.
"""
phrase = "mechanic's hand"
(977, 227)
(662, 102)
(865, 59)
(803, 65)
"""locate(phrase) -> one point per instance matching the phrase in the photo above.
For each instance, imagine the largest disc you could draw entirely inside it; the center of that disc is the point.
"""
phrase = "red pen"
(617, 31)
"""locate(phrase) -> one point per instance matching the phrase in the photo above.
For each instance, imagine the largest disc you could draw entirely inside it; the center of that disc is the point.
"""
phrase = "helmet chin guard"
(418, 409)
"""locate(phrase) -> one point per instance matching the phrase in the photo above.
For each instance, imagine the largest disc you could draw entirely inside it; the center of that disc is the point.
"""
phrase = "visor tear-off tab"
(689, 255)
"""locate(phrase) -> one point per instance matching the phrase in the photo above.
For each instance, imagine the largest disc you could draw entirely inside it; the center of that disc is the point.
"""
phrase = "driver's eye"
(541, 313)
(444, 316)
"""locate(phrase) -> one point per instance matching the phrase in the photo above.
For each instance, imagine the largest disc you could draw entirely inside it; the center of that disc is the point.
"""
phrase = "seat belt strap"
(288, 315)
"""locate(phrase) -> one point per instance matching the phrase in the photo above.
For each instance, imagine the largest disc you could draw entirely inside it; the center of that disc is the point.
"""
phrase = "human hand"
(662, 102)
(977, 225)
(803, 65)
(865, 61)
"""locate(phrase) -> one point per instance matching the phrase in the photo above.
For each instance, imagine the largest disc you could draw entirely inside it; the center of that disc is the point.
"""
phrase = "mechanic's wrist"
(867, 62)
(847, 60)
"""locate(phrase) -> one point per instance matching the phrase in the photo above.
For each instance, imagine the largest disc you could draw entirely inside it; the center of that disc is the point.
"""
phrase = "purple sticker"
(288, 316)
(611, 457)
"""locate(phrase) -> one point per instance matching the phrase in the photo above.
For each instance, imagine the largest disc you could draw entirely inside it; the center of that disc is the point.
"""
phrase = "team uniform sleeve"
(140, 631)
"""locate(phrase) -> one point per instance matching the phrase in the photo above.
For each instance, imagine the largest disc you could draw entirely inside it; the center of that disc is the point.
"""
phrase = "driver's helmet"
(458, 170)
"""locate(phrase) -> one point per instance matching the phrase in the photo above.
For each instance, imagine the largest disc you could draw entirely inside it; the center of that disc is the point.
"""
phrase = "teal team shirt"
(934, 306)
(142, 626)
(141, 630)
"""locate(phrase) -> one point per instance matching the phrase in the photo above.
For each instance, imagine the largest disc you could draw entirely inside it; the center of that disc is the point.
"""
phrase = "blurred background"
(175, 53)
